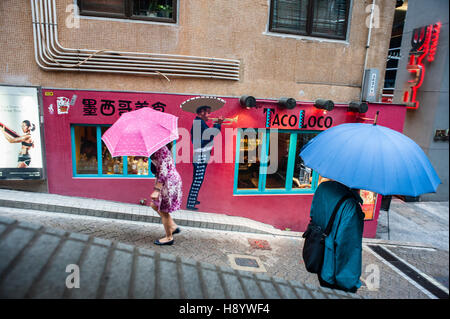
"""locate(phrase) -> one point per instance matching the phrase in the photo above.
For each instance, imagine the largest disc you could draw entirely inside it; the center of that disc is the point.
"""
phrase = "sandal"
(157, 242)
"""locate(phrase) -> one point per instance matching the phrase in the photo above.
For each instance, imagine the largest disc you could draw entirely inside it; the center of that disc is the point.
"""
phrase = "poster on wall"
(20, 136)
(368, 207)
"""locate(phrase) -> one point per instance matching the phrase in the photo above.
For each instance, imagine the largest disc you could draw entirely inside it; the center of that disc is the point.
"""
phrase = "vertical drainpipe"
(367, 50)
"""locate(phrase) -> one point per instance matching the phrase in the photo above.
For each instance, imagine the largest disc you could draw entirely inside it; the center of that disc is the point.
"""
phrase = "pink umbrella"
(140, 133)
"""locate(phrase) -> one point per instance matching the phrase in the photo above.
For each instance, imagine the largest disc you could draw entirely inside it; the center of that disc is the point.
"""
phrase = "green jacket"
(343, 246)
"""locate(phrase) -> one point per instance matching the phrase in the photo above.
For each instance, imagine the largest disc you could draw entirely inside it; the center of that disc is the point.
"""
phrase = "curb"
(123, 211)
(132, 212)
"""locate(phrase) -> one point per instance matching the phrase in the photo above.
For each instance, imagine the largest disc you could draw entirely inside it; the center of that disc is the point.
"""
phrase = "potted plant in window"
(152, 8)
(164, 11)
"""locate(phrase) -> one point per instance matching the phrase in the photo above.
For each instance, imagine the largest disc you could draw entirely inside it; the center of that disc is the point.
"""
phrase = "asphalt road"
(388, 271)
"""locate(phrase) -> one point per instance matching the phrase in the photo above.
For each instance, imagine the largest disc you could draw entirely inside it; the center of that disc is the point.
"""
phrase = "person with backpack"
(342, 251)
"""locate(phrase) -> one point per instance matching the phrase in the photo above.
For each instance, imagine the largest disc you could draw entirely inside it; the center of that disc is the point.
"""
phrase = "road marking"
(410, 247)
(411, 274)
(401, 245)
(431, 296)
(430, 279)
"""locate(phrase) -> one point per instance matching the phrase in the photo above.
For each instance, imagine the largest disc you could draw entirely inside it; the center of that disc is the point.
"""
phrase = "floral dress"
(167, 175)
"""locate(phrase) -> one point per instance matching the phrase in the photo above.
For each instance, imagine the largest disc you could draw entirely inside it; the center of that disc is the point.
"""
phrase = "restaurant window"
(277, 179)
(91, 157)
(151, 10)
(317, 18)
(249, 163)
(268, 161)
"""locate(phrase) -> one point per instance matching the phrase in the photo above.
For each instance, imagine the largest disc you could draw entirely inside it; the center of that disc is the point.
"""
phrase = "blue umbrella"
(371, 157)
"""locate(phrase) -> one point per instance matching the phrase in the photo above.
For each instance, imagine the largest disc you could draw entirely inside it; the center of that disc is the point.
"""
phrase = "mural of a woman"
(24, 159)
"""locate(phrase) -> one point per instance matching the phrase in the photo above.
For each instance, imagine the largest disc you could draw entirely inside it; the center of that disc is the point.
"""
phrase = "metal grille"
(290, 15)
(151, 8)
(330, 17)
(322, 18)
(107, 6)
(134, 9)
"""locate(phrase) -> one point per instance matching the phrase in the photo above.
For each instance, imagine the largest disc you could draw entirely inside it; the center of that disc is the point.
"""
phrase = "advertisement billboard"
(20, 134)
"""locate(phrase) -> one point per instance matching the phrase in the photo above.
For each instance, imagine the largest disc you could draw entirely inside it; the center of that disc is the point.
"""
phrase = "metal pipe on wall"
(216, 60)
(140, 66)
(210, 61)
(50, 55)
(367, 51)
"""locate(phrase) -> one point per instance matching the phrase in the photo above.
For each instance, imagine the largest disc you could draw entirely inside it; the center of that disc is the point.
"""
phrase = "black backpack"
(314, 246)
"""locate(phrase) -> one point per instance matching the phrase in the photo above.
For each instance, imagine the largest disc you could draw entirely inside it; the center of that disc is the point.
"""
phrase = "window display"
(281, 148)
(138, 165)
(86, 150)
(302, 174)
(110, 165)
(250, 148)
(89, 162)
(278, 178)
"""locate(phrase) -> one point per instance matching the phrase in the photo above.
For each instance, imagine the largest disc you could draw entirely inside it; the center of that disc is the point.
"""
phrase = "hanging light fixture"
(323, 104)
(287, 103)
(247, 101)
(359, 107)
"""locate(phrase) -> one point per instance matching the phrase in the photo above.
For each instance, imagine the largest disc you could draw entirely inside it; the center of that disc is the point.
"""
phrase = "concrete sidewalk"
(123, 211)
(423, 222)
(117, 210)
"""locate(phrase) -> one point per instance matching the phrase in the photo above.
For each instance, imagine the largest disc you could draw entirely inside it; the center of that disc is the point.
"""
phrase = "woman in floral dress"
(167, 193)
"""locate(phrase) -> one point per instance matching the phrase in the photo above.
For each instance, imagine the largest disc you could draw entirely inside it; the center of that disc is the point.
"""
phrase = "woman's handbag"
(314, 246)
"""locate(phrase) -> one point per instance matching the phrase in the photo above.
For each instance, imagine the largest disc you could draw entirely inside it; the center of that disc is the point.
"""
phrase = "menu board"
(368, 207)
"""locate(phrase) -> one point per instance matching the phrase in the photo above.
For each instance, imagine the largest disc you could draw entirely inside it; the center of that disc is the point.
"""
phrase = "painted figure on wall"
(202, 138)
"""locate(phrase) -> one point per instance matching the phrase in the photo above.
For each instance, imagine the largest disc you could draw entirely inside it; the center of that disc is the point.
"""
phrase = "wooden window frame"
(309, 23)
(128, 13)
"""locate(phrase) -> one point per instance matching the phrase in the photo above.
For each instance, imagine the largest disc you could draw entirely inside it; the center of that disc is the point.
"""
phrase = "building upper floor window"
(152, 10)
(316, 18)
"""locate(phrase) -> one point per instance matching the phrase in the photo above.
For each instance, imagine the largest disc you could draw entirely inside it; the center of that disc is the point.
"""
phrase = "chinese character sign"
(424, 42)
(109, 107)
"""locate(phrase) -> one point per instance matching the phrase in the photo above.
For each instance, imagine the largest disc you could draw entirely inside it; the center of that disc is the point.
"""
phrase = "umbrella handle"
(376, 118)
(369, 119)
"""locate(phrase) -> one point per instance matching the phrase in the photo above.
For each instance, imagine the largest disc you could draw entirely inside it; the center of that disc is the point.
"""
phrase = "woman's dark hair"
(27, 123)
(152, 166)
(170, 145)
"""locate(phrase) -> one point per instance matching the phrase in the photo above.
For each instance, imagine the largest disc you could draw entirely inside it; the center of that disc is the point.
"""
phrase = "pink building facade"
(236, 180)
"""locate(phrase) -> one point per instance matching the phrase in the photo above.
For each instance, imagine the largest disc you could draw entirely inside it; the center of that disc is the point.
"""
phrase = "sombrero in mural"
(194, 103)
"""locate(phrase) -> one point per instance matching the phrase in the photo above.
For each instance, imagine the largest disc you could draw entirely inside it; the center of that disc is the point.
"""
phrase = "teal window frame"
(99, 156)
(262, 190)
